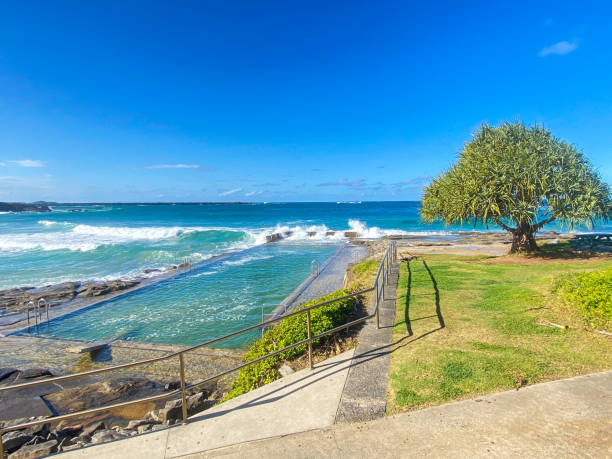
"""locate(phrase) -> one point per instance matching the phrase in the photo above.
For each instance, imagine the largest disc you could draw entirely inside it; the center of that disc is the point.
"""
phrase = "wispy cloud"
(417, 181)
(345, 182)
(175, 166)
(228, 192)
(252, 193)
(24, 163)
(560, 49)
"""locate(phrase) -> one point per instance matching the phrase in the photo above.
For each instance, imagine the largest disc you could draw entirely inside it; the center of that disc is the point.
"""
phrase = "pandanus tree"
(519, 178)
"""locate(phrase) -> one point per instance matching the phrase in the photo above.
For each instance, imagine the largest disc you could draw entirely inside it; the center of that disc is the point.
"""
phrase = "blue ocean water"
(121, 241)
(108, 242)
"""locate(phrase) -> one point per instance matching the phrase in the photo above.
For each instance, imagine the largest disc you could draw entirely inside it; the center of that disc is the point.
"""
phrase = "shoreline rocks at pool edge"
(71, 434)
(16, 299)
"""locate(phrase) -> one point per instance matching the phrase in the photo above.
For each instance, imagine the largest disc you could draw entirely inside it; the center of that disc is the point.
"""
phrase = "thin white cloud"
(560, 49)
(252, 193)
(345, 182)
(228, 192)
(24, 163)
(174, 166)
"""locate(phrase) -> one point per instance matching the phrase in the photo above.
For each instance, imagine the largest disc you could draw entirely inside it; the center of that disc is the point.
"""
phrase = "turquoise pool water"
(211, 301)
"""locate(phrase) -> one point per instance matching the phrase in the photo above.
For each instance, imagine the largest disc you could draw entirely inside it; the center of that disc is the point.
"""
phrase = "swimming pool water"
(211, 301)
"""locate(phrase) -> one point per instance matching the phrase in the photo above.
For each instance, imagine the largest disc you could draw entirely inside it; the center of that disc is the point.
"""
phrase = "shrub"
(289, 331)
(591, 293)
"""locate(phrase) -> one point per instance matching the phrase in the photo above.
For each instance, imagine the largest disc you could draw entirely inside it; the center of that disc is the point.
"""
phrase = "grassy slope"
(484, 335)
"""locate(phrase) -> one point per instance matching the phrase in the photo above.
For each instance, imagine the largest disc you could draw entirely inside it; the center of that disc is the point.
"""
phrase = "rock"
(140, 422)
(23, 207)
(6, 372)
(285, 370)
(102, 393)
(14, 440)
(67, 432)
(151, 270)
(34, 451)
(93, 289)
(153, 416)
(102, 436)
(144, 428)
(92, 428)
(172, 412)
(32, 373)
(51, 293)
(196, 403)
(172, 386)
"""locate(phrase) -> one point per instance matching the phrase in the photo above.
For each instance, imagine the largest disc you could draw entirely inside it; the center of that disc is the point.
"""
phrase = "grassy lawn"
(469, 325)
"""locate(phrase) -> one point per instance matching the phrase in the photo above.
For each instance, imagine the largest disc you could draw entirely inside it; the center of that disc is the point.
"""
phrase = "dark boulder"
(6, 372)
(32, 373)
(14, 440)
(34, 451)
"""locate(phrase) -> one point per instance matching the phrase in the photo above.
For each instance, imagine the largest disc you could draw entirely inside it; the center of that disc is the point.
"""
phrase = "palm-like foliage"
(519, 178)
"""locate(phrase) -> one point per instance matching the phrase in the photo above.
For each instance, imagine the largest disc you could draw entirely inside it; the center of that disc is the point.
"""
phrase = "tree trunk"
(523, 239)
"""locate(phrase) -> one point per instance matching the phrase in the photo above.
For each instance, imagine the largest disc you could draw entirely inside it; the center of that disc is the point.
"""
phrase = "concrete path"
(566, 418)
(330, 278)
(303, 401)
(365, 394)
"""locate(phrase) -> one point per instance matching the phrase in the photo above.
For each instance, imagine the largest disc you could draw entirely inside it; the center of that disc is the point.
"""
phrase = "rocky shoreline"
(23, 207)
(20, 299)
(105, 426)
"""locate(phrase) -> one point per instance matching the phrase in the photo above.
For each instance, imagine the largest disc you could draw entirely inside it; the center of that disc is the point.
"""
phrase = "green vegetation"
(287, 332)
(293, 330)
(473, 325)
(590, 294)
(518, 178)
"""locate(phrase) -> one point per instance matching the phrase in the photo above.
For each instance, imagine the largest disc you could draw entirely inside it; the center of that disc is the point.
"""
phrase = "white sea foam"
(205, 273)
(85, 238)
(245, 260)
(80, 237)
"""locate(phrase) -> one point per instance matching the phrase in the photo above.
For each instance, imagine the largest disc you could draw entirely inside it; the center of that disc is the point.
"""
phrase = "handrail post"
(309, 338)
(183, 391)
(376, 292)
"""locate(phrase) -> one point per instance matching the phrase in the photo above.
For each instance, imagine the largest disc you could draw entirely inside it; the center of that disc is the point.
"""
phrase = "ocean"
(122, 241)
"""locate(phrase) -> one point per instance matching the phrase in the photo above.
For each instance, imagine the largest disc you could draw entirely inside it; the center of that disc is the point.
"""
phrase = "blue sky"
(284, 101)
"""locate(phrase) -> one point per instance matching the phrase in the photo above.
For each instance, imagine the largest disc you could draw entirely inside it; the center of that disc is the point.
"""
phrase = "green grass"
(481, 331)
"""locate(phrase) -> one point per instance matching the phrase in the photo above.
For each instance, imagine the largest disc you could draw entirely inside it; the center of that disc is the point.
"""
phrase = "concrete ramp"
(302, 401)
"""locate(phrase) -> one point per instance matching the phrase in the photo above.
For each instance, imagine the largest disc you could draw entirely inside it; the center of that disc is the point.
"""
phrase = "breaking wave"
(84, 238)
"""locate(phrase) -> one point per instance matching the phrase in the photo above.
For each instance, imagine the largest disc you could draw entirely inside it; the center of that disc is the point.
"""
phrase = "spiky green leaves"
(518, 176)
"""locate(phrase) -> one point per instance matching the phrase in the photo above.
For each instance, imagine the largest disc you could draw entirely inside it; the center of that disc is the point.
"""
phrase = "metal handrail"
(386, 262)
(313, 264)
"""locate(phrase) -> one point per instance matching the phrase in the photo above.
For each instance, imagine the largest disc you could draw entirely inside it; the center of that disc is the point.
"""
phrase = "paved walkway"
(330, 278)
(566, 418)
(365, 394)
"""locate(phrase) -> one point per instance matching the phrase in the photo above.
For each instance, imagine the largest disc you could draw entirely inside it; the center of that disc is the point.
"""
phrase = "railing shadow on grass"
(407, 302)
(437, 294)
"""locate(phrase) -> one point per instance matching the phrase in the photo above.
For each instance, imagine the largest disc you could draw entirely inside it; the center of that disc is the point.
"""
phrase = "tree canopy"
(520, 178)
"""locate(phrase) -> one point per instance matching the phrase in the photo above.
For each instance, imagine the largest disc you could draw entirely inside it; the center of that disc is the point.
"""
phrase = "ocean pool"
(213, 300)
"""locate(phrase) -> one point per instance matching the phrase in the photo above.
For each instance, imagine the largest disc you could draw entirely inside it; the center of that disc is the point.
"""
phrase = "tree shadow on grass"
(572, 250)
